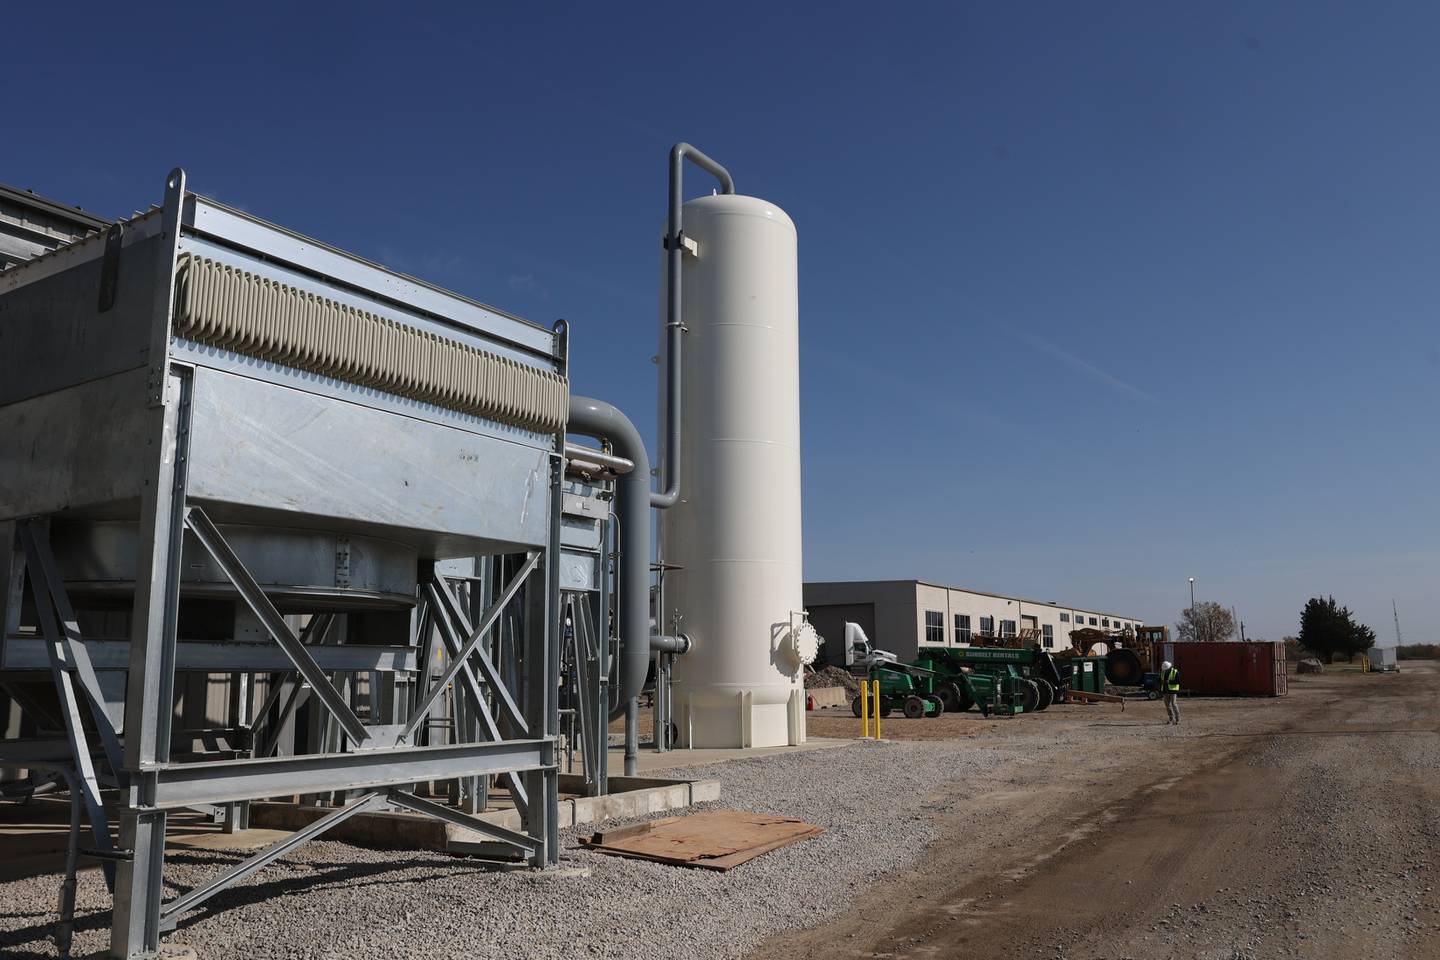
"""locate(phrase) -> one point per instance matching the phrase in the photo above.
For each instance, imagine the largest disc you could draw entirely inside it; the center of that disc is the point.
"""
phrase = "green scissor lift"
(919, 690)
(1031, 674)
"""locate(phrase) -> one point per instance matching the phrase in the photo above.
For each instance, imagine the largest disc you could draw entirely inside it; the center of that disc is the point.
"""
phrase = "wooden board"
(1085, 697)
(711, 840)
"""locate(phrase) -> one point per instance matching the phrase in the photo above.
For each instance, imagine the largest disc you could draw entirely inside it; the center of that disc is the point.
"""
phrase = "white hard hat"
(1165, 665)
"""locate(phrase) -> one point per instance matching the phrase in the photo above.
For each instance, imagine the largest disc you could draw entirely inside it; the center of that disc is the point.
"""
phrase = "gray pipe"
(677, 645)
(674, 329)
(596, 460)
(598, 419)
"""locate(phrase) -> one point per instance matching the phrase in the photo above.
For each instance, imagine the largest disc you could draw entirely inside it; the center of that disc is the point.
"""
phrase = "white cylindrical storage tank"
(735, 534)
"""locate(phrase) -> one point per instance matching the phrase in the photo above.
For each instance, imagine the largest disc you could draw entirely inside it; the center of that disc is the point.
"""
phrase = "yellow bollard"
(877, 708)
(864, 709)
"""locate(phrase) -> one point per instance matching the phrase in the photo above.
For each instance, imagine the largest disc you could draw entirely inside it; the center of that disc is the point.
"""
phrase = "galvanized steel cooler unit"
(226, 448)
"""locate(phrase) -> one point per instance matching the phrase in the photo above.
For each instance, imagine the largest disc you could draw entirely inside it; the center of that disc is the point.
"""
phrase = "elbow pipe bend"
(603, 421)
(669, 495)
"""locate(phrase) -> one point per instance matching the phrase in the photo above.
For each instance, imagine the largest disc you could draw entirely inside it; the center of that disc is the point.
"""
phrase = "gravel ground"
(332, 899)
(1303, 827)
(1298, 827)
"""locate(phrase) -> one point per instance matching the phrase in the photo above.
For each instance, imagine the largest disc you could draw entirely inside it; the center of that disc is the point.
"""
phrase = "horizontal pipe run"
(595, 461)
(676, 645)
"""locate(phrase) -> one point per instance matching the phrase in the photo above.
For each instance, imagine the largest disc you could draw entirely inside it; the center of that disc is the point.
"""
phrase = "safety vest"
(1171, 680)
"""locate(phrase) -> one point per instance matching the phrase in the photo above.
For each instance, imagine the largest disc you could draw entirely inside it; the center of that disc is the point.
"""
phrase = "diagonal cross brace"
(170, 913)
(522, 841)
(225, 557)
(317, 629)
(450, 606)
(74, 728)
(47, 584)
(476, 695)
(472, 648)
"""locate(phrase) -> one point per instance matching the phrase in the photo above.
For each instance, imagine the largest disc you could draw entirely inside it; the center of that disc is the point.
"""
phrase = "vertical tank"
(735, 535)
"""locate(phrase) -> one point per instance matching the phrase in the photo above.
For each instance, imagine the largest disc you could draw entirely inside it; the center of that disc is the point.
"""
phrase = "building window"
(962, 628)
(1092, 621)
(1064, 618)
(1007, 628)
(934, 626)
(1047, 635)
(1105, 622)
(987, 626)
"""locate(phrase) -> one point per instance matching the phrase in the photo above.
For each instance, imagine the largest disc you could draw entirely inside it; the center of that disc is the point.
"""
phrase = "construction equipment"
(1029, 674)
(1126, 653)
(903, 687)
(925, 689)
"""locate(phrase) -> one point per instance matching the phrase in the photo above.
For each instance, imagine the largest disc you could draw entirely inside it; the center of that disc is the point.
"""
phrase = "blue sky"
(1094, 297)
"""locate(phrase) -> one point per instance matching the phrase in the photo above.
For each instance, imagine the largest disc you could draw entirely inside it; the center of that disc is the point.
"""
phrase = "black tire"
(939, 705)
(885, 710)
(1029, 695)
(952, 697)
(1152, 694)
(914, 708)
(1123, 668)
(855, 707)
(1047, 694)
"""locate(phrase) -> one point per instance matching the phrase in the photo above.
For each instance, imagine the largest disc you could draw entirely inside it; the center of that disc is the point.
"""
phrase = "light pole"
(1195, 633)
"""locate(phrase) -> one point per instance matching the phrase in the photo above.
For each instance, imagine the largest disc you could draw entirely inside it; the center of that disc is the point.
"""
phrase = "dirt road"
(1303, 827)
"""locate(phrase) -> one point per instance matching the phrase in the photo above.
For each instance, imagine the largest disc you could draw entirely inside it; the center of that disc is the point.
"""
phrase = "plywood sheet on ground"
(712, 840)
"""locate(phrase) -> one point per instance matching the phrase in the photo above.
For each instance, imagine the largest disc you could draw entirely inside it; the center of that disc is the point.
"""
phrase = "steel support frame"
(378, 770)
(149, 695)
(540, 671)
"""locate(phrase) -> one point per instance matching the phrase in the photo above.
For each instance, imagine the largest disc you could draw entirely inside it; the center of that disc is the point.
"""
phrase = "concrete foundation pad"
(649, 760)
(629, 797)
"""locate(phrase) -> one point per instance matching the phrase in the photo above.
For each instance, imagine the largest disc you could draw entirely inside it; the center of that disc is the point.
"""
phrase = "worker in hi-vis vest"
(1170, 689)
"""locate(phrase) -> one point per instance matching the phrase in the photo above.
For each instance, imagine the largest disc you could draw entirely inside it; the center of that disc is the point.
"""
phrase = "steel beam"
(149, 696)
(185, 784)
(28, 654)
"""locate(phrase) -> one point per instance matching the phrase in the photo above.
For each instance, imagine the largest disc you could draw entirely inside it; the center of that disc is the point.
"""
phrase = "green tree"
(1362, 638)
(1206, 621)
(1327, 629)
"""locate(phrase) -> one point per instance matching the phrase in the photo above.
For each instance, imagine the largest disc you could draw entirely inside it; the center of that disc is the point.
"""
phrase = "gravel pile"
(333, 900)
(831, 677)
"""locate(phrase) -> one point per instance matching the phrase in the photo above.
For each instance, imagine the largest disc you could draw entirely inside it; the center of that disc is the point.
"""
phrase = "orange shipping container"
(1227, 669)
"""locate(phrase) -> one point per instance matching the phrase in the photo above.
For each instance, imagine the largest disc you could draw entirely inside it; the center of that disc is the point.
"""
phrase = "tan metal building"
(903, 615)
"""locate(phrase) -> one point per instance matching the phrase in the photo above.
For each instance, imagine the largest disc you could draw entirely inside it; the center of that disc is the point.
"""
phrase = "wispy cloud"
(526, 283)
(1078, 363)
